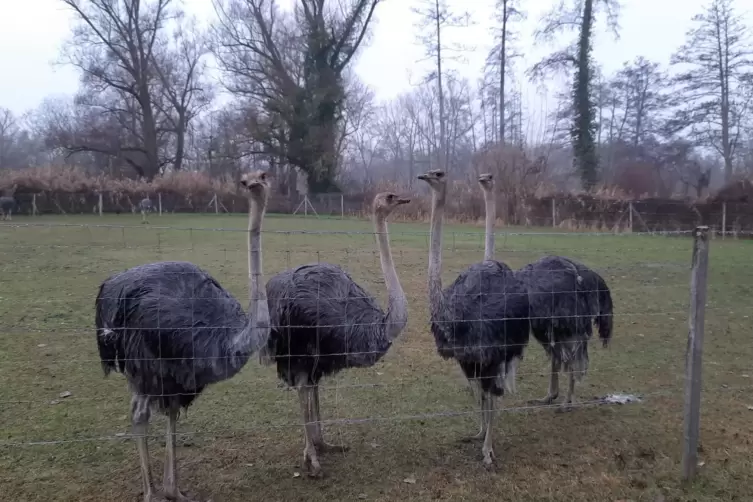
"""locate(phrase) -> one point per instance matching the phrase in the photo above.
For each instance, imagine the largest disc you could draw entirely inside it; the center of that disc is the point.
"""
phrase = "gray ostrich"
(324, 322)
(146, 207)
(172, 330)
(566, 298)
(480, 320)
(7, 204)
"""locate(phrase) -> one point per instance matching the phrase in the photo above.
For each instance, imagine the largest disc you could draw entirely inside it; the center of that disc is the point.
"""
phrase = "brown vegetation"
(521, 200)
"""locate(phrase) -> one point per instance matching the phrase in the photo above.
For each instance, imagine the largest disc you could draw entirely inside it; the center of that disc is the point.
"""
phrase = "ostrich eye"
(440, 174)
(390, 198)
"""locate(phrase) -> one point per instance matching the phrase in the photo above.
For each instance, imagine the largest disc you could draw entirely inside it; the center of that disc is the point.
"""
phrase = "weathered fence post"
(342, 207)
(554, 212)
(630, 215)
(33, 204)
(694, 355)
(724, 220)
(216, 208)
(159, 202)
(99, 204)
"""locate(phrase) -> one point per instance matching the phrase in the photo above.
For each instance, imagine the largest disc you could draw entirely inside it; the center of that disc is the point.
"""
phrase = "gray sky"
(32, 31)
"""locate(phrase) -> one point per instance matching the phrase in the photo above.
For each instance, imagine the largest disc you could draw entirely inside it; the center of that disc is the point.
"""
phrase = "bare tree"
(435, 17)
(716, 68)
(288, 69)
(503, 53)
(113, 46)
(185, 92)
(8, 133)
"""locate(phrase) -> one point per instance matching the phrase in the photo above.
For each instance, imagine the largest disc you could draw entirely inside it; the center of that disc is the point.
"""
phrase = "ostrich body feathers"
(483, 323)
(566, 297)
(172, 329)
(322, 322)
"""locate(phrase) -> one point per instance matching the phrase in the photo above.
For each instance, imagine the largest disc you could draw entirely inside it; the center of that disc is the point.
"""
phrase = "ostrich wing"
(324, 304)
(167, 320)
(486, 317)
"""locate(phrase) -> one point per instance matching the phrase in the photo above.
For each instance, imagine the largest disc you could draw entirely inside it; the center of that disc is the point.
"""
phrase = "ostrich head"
(486, 181)
(436, 179)
(386, 202)
(257, 183)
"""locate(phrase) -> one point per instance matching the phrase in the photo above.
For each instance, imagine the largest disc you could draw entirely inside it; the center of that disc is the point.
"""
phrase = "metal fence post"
(694, 355)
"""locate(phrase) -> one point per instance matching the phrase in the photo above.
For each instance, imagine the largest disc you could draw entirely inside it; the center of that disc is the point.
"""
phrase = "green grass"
(243, 440)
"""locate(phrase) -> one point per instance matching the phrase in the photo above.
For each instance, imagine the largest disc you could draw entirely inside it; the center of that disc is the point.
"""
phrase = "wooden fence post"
(724, 220)
(34, 204)
(216, 209)
(554, 212)
(630, 215)
(694, 355)
(342, 207)
(159, 202)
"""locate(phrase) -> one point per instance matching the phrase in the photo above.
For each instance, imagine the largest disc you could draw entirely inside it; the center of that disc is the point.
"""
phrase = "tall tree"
(435, 16)
(503, 53)
(716, 65)
(579, 16)
(288, 69)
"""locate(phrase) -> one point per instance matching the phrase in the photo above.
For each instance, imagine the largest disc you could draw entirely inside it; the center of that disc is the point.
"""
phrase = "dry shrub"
(75, 180)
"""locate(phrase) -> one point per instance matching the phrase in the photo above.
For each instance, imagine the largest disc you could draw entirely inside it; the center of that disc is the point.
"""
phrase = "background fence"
(66, 432)
(564, 211)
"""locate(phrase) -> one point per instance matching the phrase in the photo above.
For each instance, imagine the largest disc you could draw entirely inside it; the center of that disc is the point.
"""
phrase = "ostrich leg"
(481, 399)
(321, 445)
(488, 414)
(140, 424)
(310, 457)
(570, 397)
(554, 383)
(170, 480)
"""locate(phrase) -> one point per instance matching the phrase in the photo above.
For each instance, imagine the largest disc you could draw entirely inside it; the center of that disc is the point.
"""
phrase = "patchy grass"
(243, 439)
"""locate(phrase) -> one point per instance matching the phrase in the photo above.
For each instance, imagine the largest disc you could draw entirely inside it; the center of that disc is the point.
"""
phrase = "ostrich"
(323, 322)
(146, 207)
(7, 204)
(480, 320)
(565, 298)
(172, 330)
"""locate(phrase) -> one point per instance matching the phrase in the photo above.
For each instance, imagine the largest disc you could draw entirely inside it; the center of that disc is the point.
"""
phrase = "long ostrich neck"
(397, 304)
(491, 216)
(256, 332)
(435, 251)
(258, 298)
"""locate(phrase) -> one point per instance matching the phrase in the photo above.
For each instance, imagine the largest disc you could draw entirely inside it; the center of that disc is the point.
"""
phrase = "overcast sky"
(32, 31)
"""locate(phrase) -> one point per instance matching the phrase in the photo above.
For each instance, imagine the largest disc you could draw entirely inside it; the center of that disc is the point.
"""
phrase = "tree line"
(148, 101)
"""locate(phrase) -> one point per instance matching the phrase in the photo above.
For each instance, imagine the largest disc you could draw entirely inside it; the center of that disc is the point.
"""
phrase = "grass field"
(243, 439)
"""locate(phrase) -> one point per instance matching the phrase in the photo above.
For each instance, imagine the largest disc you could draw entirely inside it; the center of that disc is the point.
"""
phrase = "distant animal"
(172, 330)
(7, 204)
(324, 322)
(146, 207)
(480, 320)
(566, 298)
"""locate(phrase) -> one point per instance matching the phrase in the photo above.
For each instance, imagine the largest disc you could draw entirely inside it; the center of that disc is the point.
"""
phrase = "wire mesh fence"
(68, 431)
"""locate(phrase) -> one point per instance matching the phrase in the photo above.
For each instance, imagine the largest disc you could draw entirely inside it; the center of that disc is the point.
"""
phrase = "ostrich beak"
(422, 177)
(403, 200)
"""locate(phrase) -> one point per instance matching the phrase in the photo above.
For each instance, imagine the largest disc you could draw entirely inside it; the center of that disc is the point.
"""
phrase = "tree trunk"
(583, 123)
(440, 89)
(502, 62)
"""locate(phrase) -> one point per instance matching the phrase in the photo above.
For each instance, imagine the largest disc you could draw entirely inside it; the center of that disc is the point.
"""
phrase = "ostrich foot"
(173, 494)
(547, 401)
(324, 447)
(489, 457)
(311, 463)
